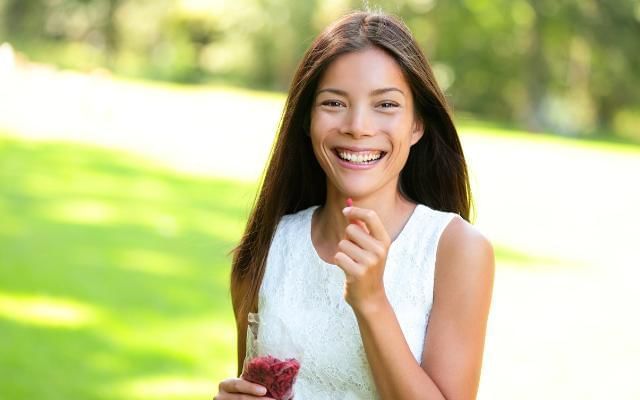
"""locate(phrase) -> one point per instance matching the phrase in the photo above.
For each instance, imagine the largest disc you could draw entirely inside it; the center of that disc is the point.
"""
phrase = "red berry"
(278, 376)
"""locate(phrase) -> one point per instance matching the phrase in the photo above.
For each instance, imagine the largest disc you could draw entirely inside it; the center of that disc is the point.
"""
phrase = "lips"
(359, 156)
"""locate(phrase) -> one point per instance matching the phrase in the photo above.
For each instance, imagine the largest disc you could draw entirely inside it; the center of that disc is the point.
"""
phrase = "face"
(362, 122)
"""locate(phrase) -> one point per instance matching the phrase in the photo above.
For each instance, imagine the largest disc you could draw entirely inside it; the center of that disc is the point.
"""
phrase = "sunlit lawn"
(114, 270)
(113, 275)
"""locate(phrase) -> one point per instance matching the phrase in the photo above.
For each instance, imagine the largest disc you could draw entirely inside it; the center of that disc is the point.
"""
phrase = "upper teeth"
(360, 157)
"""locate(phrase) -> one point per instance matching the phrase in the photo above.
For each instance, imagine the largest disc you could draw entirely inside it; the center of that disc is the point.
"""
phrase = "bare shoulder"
(463, 286)
(464, 256)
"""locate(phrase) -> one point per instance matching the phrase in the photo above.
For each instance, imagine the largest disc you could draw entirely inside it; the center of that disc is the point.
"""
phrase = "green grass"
(114, 270)
(113, 275)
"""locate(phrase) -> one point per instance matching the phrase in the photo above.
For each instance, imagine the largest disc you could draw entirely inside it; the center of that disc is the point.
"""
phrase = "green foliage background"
(114, 269)
(571, 67)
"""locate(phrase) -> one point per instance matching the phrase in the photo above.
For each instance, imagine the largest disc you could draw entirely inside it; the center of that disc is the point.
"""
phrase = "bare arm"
(395, 371)
(454, 343)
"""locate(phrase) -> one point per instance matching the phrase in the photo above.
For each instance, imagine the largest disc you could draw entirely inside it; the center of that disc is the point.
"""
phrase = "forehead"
(364, 70)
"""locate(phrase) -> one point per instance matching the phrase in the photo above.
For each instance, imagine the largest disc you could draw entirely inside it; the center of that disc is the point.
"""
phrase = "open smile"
(360, 159)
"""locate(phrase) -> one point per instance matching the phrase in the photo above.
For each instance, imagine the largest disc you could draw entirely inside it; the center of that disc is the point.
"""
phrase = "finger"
(361, 224)
(240, 396)
(249, 397)
(348, 265)
(365, 241)
(238, 385)
(355, 221)
(371, 220)
(356, 253)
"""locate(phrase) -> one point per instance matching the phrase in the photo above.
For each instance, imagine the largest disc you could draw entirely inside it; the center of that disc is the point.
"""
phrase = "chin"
(357, 189)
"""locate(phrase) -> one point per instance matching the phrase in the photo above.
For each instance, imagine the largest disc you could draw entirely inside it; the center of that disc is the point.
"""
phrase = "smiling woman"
(369, 123)
(389, 297)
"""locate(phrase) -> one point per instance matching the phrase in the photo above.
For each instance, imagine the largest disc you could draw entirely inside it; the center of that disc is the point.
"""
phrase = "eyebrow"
(372, 93)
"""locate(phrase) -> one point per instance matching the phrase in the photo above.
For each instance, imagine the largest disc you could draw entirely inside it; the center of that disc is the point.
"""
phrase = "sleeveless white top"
(307, 295)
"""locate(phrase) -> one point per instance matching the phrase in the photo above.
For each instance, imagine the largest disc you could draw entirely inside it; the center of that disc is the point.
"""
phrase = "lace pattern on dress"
(306, 293)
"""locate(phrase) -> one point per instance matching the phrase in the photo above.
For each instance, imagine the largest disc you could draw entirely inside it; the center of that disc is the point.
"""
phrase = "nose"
(357, 122)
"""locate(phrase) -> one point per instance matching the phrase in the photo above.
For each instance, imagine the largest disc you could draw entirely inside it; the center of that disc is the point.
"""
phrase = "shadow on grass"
(142, 248)
(75, 363)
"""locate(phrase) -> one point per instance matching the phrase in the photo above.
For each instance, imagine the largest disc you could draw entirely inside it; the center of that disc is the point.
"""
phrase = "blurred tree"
(110, 29)
(281, 40)
(569, 66)
(22, 17)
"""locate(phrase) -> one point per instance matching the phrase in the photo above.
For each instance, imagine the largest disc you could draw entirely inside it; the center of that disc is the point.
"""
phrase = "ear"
(417, 130)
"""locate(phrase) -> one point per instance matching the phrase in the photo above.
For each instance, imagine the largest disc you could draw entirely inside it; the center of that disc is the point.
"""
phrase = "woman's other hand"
(239, 389)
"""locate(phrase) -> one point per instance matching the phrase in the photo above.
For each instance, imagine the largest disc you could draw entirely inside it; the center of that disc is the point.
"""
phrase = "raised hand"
(362, 255)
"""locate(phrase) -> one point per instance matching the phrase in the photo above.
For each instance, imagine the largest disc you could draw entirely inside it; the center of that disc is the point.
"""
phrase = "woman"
(390, 297)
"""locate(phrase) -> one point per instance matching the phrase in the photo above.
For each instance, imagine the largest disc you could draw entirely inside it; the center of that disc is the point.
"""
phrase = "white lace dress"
(306, 293)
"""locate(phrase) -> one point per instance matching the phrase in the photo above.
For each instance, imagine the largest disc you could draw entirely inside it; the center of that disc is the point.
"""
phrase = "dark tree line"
(569, 66)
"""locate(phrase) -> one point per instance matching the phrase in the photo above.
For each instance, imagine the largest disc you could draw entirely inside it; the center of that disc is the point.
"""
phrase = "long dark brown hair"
(435, 173)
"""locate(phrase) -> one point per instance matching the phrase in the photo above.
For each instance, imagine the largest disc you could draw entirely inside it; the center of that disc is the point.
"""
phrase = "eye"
(388, 104)
(331, 103)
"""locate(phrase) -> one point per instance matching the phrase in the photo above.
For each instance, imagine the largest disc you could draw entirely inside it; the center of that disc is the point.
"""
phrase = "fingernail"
(261, 390)
(346, 210)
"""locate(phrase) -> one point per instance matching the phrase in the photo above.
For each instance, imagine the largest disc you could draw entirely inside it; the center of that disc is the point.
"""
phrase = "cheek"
(401, 142)
(401, 132)
(317, 140)
(319, 128)
(321, 123)
(398, 126)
